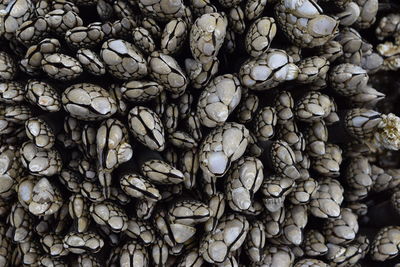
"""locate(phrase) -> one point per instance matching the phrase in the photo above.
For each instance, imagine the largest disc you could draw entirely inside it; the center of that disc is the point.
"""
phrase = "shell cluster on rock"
(196, 133)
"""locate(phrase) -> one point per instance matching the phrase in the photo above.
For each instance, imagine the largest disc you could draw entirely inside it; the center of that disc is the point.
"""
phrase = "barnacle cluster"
(196, 133)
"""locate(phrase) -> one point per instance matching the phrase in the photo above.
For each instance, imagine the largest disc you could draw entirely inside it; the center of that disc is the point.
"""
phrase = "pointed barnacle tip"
(388, 132)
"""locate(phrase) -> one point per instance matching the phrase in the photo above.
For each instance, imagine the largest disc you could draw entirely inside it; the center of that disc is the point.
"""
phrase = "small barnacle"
(61, 67)
(123, 60)
(121, 28)
(386, 243)
(268, 70)
(143, 40)
(60, 21)
(162, 10)
(13, 15)
(166, 71)
(88, 102)
(362, 123)
(236, 19)
(314, 243)
(222, 146)
(84, 36)
(113, 149)
(388, 26)
(254, 8)
(218, 100)
(260, 35)
(368, 12)
(304, 24)
(349, 15)
(8, 67)
(354, 46)
(174, 35)
(207, 36)
(200, 7)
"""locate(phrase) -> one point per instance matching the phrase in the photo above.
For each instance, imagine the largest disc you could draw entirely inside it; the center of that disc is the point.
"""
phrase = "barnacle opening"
(388, 132)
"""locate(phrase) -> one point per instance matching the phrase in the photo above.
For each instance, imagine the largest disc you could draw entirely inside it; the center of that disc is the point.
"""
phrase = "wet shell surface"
(194, 133)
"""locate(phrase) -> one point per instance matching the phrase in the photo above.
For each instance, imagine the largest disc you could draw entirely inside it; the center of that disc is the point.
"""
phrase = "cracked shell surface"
(40, 133)
(260, 35)
(268, 70)
(207, 36)
(147, 127)
(110, 214)
(89, 102)
(243, 180)
(90, 61)
(304, 24)
(161, 172)
(61, 67)
(39, 161)
(218, 100)
(43, 95)
(222, 146)
(79, 243)
(123, 60)
(8, 67)
(166, 71)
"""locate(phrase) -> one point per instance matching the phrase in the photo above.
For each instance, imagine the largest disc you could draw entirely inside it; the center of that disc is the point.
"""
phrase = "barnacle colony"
(196, 133)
